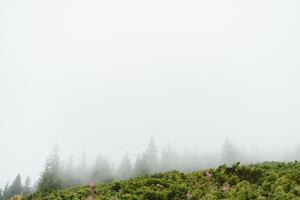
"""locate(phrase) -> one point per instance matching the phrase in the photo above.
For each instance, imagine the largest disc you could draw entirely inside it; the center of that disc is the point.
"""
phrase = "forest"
(269, 180)
(150, 165)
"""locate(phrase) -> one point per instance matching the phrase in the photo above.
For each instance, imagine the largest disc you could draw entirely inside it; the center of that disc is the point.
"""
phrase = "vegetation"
(51, 177)
(16, 188)
(61, 175)
(269, 180)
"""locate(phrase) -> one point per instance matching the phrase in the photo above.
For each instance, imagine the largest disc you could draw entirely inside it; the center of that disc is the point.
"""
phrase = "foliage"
(50, 178)
(13, 190)
(265, 181)
(147, 163)
(16, 197)
(102, 171)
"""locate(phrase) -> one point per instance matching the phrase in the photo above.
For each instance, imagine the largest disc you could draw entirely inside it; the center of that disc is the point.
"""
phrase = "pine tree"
(102, 171)
(151, 157)
(168, 160)
(51, 176)
(5, 193)
(125, 169)
(82, 171)
(147, 163)
(140, 168)
(1, 194)
(15, 188)
(230, 153)
(69, 173)
(26, 187)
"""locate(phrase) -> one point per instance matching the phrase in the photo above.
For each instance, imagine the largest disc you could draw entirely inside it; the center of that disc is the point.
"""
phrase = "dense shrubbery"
(261, 181)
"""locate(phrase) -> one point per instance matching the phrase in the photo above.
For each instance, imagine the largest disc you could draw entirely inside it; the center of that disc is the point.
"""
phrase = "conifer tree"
(1, 194)
(82, 171)
(147, 163)
(26, 187)
(125, 169)
(51, 176)
(151, 157)
(69, 173)
(168, 160)
(230, 153)
(140, 168)
(15, 188)
(102, 171)
(5, 192)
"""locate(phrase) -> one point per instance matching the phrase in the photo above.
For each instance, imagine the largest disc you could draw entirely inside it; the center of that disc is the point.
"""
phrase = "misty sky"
(102, 77)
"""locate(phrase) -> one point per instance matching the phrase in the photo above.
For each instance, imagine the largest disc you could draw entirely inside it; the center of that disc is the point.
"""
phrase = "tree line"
(16, 188)
(57, 174)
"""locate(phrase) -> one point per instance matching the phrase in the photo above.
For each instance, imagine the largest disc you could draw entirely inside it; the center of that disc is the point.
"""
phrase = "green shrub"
(264, 181)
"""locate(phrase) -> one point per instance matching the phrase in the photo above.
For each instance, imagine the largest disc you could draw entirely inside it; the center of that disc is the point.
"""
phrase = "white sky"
(104, 76)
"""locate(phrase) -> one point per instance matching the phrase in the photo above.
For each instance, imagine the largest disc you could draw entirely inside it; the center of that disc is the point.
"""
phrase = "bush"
(265, 181)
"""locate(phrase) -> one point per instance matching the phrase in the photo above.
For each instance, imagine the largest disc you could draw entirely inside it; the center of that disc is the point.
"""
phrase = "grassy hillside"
(261, 181)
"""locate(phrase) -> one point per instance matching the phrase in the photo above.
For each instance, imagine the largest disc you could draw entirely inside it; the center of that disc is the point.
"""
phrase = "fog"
(103, 77)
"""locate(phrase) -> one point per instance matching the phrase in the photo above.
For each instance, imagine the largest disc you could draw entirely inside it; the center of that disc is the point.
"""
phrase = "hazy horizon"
(101, 77)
